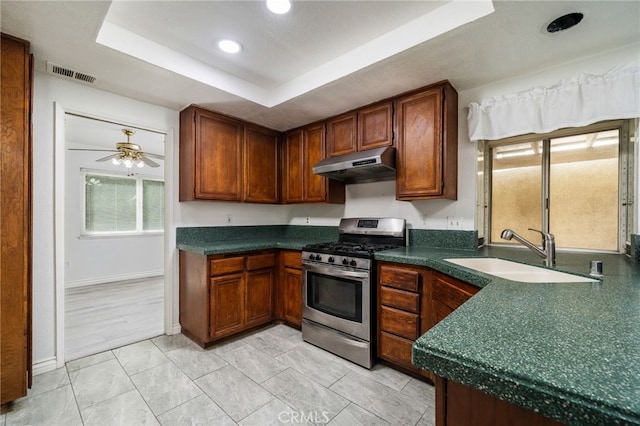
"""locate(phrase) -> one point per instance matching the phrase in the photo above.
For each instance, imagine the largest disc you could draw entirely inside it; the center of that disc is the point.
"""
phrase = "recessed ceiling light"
(229, 46)
(279, 7)
(564, 22)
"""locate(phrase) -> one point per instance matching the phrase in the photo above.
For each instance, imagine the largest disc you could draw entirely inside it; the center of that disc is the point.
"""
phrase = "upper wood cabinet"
(222, 158)
(427, 143)
(15, 226)
(366, 128)
(375, 126)
(302, 149)
(261, 183)
(342, 134)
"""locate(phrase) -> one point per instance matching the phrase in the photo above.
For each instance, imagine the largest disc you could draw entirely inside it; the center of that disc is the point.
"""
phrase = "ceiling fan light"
(139, 163)
(128, 163)
(116, 161)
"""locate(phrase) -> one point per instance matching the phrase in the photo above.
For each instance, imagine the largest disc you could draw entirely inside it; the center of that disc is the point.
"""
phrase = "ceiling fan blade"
(107, 158)
(148, 162)
(150, 155)
(96, 150)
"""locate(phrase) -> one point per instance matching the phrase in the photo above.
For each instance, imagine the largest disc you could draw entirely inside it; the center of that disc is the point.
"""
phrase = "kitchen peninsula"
(568, 351)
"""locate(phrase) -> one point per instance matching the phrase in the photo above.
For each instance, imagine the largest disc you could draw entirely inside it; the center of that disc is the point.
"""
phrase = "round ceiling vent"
(566, 21)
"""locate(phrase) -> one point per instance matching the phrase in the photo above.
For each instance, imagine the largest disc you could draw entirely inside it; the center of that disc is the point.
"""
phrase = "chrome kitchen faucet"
(548, 251)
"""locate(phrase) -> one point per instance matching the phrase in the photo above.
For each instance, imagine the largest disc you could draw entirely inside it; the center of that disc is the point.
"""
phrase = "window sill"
(111, 236)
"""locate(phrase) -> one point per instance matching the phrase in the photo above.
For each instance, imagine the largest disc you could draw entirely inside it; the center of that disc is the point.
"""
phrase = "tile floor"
(266, 378)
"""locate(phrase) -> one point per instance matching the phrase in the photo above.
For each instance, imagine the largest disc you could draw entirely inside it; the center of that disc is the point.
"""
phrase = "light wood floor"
(107, 316)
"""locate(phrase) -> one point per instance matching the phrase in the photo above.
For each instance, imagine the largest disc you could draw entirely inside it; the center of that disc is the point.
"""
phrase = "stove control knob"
(353, 262)
(345, 261)
(318, 257)
(331, 259)
(312, 256)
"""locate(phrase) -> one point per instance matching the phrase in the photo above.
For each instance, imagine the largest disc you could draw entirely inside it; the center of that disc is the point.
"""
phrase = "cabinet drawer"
(400, 299)
(404, 279)
(449, 293)
(394, 348)
(292, 259)
(261, 261)
(399, 322)
(227, 265)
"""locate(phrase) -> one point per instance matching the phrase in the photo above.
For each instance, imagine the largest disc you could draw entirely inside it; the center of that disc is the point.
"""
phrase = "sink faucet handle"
(545, 235)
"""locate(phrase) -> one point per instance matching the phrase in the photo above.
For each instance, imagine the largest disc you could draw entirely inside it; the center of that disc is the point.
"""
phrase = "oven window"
(335, 296)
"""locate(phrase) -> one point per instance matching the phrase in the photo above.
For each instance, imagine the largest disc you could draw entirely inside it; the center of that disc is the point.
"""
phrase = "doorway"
(113, 235)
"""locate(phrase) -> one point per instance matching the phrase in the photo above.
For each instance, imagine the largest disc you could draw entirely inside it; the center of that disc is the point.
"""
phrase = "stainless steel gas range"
(339, 287)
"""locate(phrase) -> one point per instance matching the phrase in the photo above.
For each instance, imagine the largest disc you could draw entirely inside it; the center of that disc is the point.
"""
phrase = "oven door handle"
(335, 271)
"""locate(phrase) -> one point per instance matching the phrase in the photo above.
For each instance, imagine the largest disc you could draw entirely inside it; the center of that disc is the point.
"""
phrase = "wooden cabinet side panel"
(261, 178)
(194, 295)
(341, 135)
(15, 292)
(187, 156)
(293, 167)
(450, 141)
(218, 162)
(419, 156)
(375, 126)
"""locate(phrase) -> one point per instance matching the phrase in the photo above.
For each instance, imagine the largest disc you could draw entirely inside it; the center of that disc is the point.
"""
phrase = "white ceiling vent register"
(69, 73)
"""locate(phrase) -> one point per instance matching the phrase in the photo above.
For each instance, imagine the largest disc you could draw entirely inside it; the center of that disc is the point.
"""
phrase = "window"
(574, 183)
(116, 204)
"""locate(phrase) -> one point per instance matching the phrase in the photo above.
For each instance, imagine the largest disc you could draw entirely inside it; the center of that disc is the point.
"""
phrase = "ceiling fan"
(128, 154)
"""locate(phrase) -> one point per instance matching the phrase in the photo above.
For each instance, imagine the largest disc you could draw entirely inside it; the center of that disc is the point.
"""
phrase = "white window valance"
(578, 102)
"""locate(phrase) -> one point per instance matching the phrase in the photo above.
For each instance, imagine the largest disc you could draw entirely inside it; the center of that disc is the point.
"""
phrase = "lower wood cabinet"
(290, 288)
(403, 312)
(447, 295)
(411, 300)
(221, 295)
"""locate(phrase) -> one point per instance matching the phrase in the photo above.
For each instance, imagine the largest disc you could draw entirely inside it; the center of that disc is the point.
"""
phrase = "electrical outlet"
(454, 222)
(229, 219)
(308, 220)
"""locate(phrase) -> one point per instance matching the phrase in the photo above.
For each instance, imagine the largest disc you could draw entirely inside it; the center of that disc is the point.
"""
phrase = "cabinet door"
(419, 156)
(341, 135)
(218, 162)
(260, 165)
(259, 296)
(226, 306)
(314, 185)
(292, 289)
(293, 167)
(375, 126)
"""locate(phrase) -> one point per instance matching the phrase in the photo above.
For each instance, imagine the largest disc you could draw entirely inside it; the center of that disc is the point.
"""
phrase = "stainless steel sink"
(518, 271)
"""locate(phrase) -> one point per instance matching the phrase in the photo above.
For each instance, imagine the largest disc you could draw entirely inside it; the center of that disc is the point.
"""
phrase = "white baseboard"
(113, 278)
(44, 366)
(176, 329)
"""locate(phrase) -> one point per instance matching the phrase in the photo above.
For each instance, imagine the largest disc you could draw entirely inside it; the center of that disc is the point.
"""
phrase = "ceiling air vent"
(68, 73)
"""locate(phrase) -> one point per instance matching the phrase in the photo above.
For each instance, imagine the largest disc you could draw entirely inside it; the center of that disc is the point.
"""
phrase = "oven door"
(338, 298)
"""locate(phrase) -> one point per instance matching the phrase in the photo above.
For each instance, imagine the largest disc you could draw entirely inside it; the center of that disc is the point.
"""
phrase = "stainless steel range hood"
(364, 166)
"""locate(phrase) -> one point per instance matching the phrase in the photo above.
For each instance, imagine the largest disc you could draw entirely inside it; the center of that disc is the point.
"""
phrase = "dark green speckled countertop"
(570, 351)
